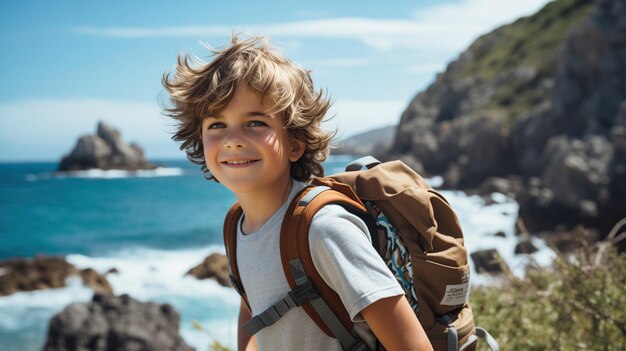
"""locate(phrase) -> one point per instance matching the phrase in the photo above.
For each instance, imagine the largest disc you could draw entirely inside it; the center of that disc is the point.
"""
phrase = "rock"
(36, 274)
(565, 241)
(500, 234)
(488, 261)
(576, 170)
(112, 323)
(215, 266)
(105, 150)
(112, 271)
(45, 273)
(525, 246)
(98, 283)
(484, 153)
(509, 186)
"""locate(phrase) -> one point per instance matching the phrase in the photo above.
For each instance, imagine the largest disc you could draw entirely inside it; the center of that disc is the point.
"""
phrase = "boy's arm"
(244, 341)
(393, 322)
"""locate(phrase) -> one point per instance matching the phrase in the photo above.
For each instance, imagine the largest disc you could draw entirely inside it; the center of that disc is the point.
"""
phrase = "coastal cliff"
(537, 109)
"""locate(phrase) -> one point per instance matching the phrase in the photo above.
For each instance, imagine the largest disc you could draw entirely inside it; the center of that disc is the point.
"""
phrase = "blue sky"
(68, 64)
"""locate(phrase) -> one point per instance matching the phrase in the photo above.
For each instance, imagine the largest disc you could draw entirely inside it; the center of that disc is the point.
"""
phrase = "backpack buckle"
(304, 293)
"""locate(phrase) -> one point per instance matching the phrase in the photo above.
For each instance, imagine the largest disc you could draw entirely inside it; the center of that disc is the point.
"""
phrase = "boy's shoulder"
(335, 228)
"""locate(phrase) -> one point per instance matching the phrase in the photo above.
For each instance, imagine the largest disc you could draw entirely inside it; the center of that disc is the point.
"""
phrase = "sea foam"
(109, 174)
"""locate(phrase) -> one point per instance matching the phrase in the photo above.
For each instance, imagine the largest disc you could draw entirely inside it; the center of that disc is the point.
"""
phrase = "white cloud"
(449, 26)
(47, 129)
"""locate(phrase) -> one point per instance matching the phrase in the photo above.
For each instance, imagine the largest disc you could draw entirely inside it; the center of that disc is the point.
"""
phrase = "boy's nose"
(234, 140)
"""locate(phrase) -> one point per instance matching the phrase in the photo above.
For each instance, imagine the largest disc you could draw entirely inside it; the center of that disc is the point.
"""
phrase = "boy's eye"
(217, 125)
(256, 124)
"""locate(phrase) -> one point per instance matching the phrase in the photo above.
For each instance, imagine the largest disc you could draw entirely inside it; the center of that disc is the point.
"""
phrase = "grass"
(530, 43)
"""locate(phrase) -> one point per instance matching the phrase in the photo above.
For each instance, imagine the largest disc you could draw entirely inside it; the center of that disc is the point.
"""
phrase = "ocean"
(153, 226)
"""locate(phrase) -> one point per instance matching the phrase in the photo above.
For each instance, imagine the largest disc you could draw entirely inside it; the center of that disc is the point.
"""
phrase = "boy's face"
(245, 148)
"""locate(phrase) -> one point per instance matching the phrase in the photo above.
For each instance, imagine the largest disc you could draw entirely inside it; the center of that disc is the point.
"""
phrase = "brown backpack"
(415, 231)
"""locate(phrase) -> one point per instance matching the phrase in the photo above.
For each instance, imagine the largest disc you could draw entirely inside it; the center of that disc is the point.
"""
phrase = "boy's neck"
(259, 206)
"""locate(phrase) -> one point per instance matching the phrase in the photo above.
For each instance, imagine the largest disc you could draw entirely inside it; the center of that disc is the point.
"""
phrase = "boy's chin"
(242, 187)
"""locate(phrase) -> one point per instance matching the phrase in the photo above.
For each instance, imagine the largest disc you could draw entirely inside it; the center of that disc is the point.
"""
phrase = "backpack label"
(456, 294)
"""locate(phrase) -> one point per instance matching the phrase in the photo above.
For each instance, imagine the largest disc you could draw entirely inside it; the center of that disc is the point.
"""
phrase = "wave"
(110, 174)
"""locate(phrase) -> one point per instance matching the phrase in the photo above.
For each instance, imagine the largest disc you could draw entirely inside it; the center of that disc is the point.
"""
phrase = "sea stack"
(105, 150)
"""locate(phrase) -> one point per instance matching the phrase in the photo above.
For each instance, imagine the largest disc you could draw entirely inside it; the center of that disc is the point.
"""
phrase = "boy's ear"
(297, 150)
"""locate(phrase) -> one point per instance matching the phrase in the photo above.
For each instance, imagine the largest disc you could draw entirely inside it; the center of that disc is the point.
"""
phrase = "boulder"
(215, 266)
(525, 246)
(104, 150)
(113, 323)
(488, 261)
(46, 273)
(505, 185)
(565, 241)
(97, 282)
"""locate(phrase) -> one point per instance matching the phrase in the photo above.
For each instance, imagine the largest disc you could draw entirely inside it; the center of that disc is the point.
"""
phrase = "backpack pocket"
(441, 288)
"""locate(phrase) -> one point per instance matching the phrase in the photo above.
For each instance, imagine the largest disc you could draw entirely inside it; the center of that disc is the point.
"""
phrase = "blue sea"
(153, 226)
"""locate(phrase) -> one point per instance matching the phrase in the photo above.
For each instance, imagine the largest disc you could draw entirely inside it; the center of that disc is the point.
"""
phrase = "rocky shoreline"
(108, 322)
(41, 272)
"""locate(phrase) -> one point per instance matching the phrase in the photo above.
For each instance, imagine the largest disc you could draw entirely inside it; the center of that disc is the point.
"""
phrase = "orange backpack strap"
(296, 257)
(230, 243)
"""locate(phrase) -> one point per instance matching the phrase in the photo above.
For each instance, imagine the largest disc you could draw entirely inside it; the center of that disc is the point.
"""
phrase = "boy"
(251, 118)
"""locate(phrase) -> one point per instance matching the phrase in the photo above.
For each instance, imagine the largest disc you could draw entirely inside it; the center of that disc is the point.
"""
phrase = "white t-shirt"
(342, 253)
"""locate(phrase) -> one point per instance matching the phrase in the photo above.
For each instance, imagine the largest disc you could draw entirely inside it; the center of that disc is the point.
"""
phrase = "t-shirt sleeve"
(345, 258)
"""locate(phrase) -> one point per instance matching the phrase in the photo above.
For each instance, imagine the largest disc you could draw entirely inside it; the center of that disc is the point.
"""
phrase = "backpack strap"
(230, 243)
(490, 340)
(295, 250)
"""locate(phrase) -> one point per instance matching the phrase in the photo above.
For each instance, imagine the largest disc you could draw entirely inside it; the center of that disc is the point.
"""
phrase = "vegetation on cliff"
(525, 52)
(578, 304)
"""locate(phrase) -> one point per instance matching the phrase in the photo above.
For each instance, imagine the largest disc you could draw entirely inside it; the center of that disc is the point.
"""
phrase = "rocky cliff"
(539, 103)
(105, 150)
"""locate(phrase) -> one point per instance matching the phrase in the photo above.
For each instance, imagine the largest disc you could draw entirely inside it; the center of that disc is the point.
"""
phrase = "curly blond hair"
(200, 89)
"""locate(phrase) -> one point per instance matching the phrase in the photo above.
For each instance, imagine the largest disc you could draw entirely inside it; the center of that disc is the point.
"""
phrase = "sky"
(69, 64)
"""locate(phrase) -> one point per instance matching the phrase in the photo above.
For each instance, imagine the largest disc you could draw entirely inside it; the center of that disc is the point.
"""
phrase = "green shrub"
(577, 304)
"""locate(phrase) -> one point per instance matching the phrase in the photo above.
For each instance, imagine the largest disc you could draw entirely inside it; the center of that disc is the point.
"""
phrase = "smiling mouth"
(238, 163)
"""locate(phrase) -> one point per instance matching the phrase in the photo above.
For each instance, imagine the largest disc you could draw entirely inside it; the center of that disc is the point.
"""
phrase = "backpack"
(414, 230)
